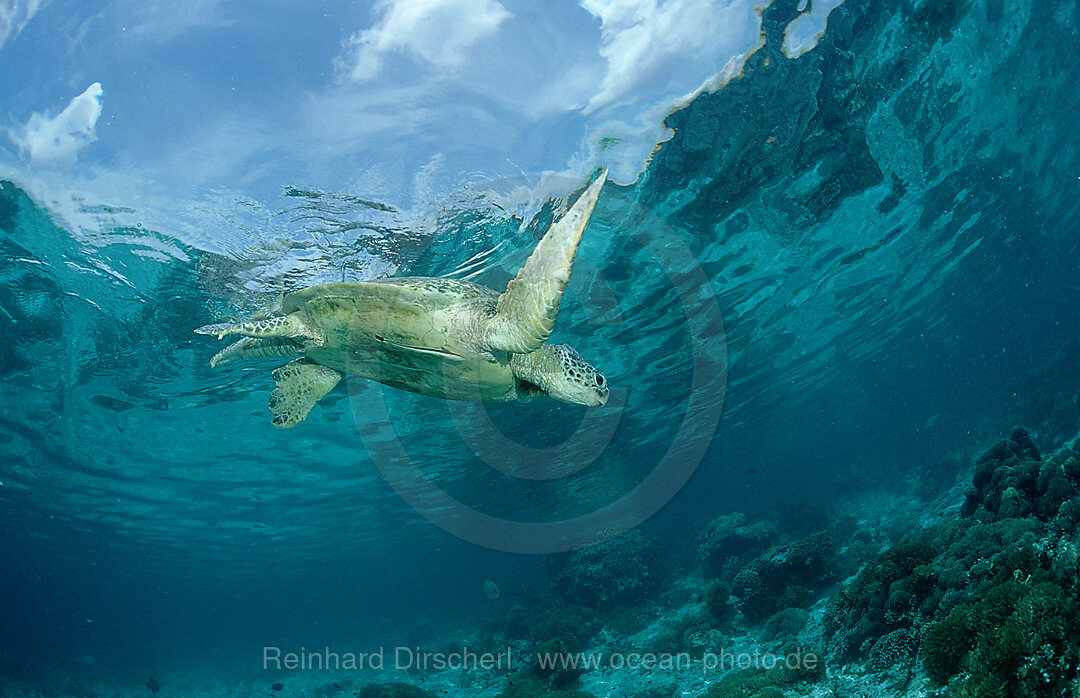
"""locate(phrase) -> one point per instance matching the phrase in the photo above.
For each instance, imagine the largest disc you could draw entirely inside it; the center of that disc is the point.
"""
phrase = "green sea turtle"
(442, 337)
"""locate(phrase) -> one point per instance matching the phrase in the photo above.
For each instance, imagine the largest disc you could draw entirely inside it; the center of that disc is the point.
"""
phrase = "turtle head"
(559, 371)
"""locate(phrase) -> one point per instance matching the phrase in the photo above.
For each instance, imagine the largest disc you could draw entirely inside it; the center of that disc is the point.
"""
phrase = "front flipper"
(277, 326)
(525, 314)
(300, 384)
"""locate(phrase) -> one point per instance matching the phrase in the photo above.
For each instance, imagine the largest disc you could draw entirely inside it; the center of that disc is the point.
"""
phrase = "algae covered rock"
(730, 541)
(718, 602)
(990, 597)
(395, 689)
(883, 598)
(617, 571)
(1012, 481)
(1021, 639)
(530, 686)
(785, 624)
(786, 576)
(689, 629)
(771, 681)
(572, 624)
(899, 647)
(1006, 480)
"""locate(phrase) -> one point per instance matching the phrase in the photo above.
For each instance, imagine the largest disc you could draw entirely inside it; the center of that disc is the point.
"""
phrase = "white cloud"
(160, 22)
(436, 31)
(804, 32)
(14, 15)
(57, 139)
(640, 37)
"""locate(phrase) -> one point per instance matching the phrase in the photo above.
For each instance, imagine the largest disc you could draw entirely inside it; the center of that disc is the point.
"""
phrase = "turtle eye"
(600, 380)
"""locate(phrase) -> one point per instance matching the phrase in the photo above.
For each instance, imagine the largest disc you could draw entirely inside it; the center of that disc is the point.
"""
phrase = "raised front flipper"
(291, 325)
(300, 384)
(526, 311)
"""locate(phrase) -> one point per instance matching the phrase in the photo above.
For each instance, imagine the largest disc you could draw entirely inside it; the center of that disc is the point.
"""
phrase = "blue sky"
(155, 104)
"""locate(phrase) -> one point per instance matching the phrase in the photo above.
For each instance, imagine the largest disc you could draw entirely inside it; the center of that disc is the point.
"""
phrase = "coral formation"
(528, 685)
(787, 575)
(1021, 639)
(556, 675)
(1009, 562)
(730, 541)
(992, 596)
(687, 631)
(718, 602)
(759, 682)
(395, 689)
(615, 572)
(896, 648)
(1012, 481)
(785, 625)
(571, 624)
(883, 598)
(1006, 480)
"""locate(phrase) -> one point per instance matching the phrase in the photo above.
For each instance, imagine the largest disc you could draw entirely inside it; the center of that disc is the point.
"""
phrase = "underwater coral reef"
(987, 600)
(977, 593)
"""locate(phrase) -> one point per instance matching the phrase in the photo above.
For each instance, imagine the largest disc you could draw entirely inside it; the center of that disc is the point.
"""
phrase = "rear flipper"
(276, 326)
(300, 384)
(258, 348)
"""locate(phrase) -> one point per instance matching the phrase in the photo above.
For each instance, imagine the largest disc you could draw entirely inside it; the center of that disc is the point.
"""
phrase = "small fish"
(491, 589)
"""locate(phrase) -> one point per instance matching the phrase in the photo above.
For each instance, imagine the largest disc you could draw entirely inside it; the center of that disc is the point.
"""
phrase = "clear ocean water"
(835, 273)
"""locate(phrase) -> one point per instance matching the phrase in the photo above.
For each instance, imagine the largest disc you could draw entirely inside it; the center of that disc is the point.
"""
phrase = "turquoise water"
(839, 270)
